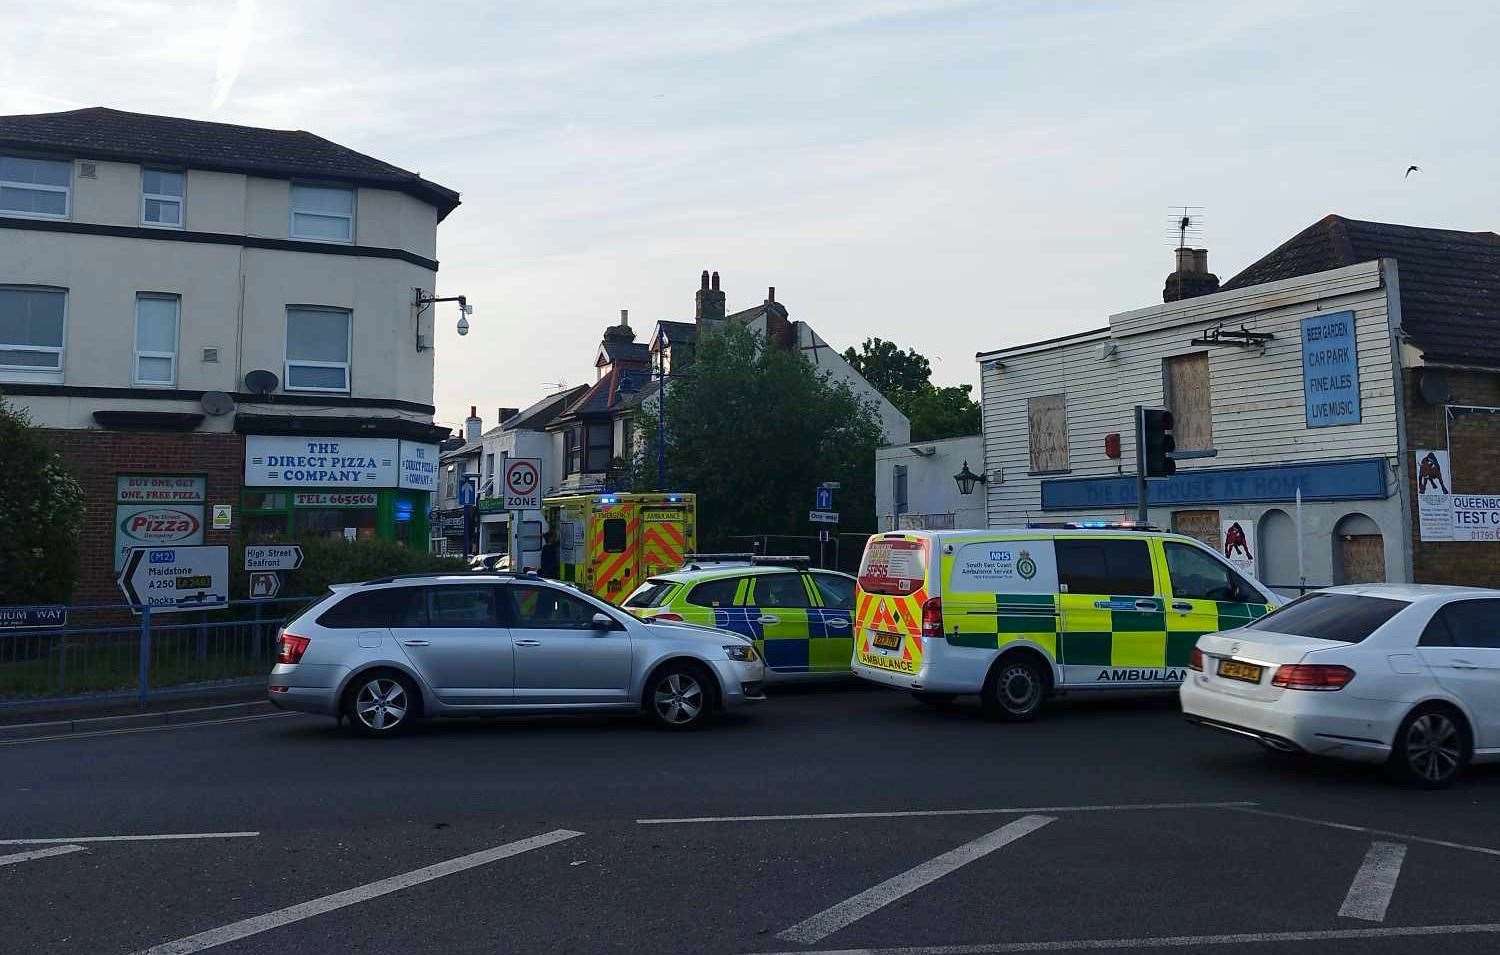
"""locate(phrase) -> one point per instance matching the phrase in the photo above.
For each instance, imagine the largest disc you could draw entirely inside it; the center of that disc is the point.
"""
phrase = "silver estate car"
(385, 652)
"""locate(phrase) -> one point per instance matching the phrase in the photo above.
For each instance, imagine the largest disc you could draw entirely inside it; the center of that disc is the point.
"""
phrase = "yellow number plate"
(1235, 670)
(887, 641)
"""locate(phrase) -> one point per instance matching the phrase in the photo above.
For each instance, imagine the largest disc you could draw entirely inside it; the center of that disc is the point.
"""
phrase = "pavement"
(833, 819)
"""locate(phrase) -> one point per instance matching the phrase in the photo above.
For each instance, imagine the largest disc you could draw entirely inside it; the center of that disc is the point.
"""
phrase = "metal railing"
(106, 651)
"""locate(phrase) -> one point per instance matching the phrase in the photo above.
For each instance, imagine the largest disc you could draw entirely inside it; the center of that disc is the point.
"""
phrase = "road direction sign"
(175, 579)
(273, 556)
(264, 585)
(823, 517)
(522, 484)
(824, 498)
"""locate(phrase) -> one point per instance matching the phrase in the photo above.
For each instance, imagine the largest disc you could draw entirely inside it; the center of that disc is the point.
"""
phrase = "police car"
(1015, 615)
(802, 620)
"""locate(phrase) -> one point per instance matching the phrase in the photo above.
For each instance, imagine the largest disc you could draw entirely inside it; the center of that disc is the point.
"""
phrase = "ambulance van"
(1017, 615)
(609, 542)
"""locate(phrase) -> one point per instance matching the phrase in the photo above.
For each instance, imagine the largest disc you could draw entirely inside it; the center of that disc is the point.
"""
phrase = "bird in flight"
(1410, 170)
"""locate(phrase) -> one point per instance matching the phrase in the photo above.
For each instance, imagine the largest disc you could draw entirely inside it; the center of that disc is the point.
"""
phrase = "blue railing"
(113, 651)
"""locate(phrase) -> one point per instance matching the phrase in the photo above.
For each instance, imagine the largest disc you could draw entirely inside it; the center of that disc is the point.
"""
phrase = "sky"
(951, 176)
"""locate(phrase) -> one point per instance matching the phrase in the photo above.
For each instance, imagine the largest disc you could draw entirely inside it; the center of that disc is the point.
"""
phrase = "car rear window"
(893, 565)
(391, 607)
(1348, 618)
(653, 593)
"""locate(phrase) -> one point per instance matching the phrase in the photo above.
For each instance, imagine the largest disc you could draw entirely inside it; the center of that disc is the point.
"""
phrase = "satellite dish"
(1435, 387)
(261, 382)
(217, 403)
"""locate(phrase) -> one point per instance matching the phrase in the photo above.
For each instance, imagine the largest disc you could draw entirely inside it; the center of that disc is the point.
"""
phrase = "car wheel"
(1014, 691)
(679, 697)
(935, 700)
(1431, 749)
(381, 704)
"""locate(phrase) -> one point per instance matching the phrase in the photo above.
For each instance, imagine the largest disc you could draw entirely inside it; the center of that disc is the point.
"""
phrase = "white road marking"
(163, 837)
(1403, 836)
(1375, 882)
(39, 854)
(1168, 941)
(813, 930)
(304, 910)
(903, 813)
(146, 729)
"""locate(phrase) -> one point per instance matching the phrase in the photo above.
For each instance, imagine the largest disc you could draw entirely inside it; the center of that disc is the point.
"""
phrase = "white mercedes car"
(1402, 674)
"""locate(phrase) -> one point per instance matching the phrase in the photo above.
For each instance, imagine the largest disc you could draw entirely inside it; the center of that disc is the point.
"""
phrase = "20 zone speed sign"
(523, 484)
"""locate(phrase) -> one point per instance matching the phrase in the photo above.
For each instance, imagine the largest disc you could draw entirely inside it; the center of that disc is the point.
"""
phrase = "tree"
(41, 510)
(752, 431)
(905, 379)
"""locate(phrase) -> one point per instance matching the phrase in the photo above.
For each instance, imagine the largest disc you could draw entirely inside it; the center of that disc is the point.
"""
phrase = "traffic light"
(1155, 431)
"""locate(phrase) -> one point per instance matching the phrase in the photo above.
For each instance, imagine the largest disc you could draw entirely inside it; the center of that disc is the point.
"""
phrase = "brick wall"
(96, 458)
(1475, 459)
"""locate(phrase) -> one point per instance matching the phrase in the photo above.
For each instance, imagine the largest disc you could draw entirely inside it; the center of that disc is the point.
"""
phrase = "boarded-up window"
(1203, 525)
(1047, 418)
(1187, 399)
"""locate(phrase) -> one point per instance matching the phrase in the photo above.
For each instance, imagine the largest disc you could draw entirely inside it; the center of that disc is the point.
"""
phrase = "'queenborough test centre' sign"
(298, 461)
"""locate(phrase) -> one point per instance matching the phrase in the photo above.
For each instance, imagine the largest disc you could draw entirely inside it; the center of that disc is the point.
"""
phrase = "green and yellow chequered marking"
(1207, 616)
(989, 621)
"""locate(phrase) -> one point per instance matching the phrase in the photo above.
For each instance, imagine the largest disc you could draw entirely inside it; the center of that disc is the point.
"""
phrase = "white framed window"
(33, 323)
(161, 197)
(322, 213)
(37, 188)
(317, 348)
(156, 321)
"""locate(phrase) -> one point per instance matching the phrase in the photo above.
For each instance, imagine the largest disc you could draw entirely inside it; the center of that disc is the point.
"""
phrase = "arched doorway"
(1278, 550)
(1358, 551)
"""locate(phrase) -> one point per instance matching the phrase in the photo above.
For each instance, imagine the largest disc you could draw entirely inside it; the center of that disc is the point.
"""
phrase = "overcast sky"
(951, 176)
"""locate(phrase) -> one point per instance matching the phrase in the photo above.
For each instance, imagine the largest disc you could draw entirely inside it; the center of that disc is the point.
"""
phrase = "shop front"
(341, 488)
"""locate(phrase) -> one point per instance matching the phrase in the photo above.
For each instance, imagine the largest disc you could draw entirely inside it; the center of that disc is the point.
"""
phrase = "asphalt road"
(1109, 825)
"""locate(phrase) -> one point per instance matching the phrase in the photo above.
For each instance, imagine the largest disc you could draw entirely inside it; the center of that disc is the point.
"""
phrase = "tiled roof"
(676, 332)
(541, 414)
(638, 352)
(610, 393)
(101, 133)
(1450, 280)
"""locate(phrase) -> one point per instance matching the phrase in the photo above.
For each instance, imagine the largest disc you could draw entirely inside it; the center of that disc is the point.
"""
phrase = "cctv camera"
(463, 325)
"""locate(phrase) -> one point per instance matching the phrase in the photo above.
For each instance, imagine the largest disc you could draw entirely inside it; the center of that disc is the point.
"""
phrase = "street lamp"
(966, 480)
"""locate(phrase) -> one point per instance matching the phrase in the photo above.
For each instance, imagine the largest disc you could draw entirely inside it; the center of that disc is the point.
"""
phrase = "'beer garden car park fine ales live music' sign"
(1330, 370)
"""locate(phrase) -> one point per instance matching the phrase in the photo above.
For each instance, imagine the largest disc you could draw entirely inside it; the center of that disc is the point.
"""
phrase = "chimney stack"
(710, 300)
(473, 426)
(1191, 278)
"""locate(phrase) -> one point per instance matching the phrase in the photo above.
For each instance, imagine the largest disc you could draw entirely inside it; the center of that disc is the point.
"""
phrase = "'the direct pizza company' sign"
(297, 461)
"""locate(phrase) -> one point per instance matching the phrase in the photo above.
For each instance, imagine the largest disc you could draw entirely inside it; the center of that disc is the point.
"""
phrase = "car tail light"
(1312, 676)
(932, 618)
(1195, 660)
(290, 647)
(668, 617)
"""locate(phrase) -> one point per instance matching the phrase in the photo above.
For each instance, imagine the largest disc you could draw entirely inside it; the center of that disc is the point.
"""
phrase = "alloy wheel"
(679, 698)
(381, 704)
(1434, 748)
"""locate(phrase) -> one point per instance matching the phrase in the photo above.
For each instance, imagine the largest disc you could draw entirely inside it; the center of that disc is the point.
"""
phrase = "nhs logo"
(163, 556)
(1000, 555)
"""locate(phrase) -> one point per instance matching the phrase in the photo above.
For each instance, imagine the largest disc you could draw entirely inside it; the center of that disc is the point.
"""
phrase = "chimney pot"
(771, 294)
(1200, 260)
(625, 316)
(1191, 278)
(710, 301)
(473, 411)
(704, 286)
(1186, 260)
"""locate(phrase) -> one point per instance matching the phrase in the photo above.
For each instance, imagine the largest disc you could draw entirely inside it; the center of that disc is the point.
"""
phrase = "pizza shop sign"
(296, 461)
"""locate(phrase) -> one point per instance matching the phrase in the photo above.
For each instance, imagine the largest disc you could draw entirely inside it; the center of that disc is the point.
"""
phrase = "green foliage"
(41, 513)
(905, 378)
(328, 560)
(753, 431)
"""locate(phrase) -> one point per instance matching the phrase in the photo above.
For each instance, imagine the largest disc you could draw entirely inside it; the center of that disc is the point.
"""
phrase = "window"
(780, 590)
(392, 607)
(465, 607)
(837, 592)
(317, 349)
(35, 187)
(545, 608)
(715, 593)
(614, 535)
(161, 197)
(571, 444)
(489, 476)
(31, 330)
(1197, 575)
(1186, 385)
(898, 490)
(600, 447)
(1047, 424)
(653, 594)
(156, 338)
(1323, 616)
(1120, 567)
(1471, 624)
(322, 213)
